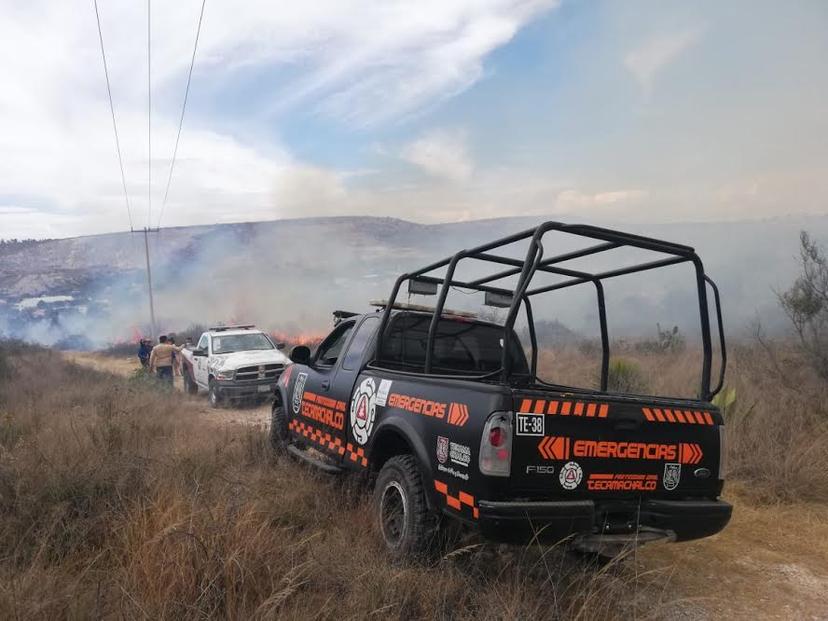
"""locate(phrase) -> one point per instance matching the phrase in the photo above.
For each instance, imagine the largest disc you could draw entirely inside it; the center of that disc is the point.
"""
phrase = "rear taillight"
(496, 445)
(722, 452)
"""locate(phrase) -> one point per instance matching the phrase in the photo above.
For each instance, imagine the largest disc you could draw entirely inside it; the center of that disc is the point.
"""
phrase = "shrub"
(725, 400)
(669, 341)
(626, 376)
(806, 303)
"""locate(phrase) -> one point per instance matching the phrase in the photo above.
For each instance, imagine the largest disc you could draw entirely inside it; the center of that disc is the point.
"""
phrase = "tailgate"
(572, 446)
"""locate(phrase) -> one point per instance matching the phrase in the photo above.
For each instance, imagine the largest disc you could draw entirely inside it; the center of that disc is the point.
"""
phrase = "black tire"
(401, 512)
(213, 396)
(279, 436)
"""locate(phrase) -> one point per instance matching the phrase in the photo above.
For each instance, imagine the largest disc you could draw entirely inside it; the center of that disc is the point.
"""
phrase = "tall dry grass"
(117, 501)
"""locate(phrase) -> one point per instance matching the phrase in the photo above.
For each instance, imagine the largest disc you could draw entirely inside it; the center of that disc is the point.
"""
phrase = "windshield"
(240, 342)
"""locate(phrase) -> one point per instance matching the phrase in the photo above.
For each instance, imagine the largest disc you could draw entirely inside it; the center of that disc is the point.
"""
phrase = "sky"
(432, 111)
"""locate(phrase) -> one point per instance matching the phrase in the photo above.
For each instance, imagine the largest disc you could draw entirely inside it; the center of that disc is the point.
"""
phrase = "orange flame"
(309, 339)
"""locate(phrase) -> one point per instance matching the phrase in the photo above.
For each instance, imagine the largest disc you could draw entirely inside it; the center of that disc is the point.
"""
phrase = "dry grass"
(778, 430)
(118, 501)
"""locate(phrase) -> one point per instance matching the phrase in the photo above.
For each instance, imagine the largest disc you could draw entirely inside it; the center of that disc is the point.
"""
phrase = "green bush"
(667, 341)
(725, 400)
(626, 376)
(806, 304)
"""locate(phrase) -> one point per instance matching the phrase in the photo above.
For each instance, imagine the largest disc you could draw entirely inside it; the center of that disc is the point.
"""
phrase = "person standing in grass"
(144, 350)
(161, 360)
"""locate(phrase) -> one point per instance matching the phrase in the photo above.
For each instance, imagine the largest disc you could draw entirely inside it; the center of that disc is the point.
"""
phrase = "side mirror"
(280, 345)
(202, 353)
(300, 354)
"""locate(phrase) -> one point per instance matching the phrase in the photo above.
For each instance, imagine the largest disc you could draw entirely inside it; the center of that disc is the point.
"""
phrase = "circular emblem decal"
(571, 475)
(364, 410)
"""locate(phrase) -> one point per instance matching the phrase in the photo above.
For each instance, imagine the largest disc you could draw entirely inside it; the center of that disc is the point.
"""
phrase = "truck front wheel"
(215, 398)
(405, 522)
(278, 429)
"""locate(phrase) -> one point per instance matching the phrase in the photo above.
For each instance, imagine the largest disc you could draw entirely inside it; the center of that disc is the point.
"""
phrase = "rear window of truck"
(461, 347)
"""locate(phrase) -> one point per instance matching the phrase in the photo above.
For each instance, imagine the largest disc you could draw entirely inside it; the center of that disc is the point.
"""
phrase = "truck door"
(323, 409)
(200, 362)
(351, 362)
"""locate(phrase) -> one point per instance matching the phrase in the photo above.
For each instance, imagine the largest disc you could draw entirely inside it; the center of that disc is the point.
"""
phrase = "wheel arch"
(280, 399)
(398, 437)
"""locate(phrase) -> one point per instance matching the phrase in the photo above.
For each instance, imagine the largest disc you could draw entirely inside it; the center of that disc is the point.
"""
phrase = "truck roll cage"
(523, 292)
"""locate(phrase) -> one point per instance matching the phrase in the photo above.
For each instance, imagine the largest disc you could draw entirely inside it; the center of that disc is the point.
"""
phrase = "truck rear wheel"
(406, 524)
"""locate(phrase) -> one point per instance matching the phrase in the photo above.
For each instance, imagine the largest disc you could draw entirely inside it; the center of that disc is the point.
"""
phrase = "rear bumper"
(553, 521)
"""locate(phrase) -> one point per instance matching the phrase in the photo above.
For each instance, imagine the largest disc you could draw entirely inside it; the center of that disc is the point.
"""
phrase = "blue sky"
(432, 111)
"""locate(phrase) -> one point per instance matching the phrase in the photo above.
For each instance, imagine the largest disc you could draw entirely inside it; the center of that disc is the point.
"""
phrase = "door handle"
(326, 384)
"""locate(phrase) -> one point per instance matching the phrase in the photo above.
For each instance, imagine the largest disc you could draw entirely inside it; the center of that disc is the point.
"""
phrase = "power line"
(183, 110)
(112, 111)
(149, 117)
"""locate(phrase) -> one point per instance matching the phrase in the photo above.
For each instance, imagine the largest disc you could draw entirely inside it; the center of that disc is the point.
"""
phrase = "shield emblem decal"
(672, 476)
(442, 449)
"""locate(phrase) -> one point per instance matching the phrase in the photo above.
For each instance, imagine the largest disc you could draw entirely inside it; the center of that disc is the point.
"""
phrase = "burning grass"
(118, 501)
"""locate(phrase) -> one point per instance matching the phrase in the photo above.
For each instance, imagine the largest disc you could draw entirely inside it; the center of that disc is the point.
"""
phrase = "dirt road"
(771, 562)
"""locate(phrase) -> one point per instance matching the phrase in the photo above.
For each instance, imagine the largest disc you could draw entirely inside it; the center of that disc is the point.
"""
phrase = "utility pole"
(146, 231)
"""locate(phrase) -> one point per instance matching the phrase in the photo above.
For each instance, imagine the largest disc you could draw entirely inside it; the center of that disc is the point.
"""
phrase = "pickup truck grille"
(260, 372)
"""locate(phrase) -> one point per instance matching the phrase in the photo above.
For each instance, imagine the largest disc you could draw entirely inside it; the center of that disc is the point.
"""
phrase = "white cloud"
(356, 61)
(442, 154)
(650, 58)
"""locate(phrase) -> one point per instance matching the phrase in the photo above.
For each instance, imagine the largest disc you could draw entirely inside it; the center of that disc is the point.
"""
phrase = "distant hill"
(289, 274)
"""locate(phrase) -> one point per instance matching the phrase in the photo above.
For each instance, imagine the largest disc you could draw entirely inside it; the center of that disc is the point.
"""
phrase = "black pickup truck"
(447, 414)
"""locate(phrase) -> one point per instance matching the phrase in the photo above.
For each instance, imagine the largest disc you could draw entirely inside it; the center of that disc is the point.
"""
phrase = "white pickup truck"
(233, 363)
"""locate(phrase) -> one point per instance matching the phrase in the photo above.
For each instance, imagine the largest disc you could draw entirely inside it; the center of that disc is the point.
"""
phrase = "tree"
(806, 303)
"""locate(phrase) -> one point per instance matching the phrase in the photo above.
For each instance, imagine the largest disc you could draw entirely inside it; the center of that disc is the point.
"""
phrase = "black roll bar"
(720, 382)
(534, 261)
